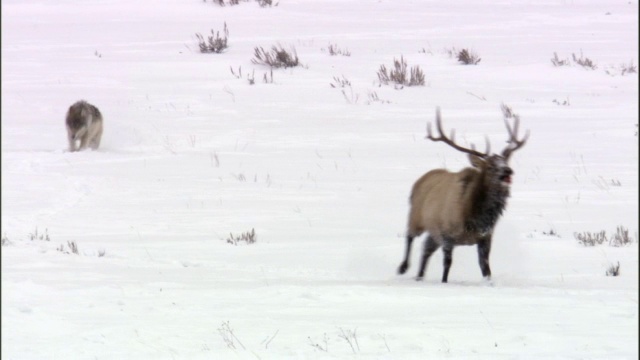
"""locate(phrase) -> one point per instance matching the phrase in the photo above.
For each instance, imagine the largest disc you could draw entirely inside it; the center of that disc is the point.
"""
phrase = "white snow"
(191, 154)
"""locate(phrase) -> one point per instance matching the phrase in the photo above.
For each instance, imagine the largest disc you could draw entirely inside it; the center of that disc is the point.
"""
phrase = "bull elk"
(461, 208)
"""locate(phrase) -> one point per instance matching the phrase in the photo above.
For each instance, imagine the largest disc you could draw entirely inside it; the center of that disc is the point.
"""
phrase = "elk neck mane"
(486, 199)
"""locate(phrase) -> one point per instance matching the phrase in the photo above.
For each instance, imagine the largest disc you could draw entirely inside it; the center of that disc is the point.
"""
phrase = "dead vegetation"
(277, 57)
(334, 50)
(340, 82)
(214, 43)
(556, 61)
(248, 237)
(267, 77)
(613, 270)
(618, 238)
(468, 57)
(401, 74)
(583, 61)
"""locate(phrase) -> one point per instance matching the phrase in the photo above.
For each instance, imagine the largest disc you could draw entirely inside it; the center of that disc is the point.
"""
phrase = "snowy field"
(191, 154)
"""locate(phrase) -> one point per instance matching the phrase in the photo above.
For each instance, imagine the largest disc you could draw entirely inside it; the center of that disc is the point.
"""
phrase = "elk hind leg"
(430, 246)
(407, 253)
(447, 249)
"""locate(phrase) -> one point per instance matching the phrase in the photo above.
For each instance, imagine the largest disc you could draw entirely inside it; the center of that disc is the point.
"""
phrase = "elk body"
(460, 208)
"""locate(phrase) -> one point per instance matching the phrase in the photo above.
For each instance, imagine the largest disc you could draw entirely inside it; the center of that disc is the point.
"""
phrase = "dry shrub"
(584, 61)
(340, 83)
(399, 75)
(620, 237)
(468, 57)
(276, 58)
(591, 238)
(555, 60)
(214, 43)
(613, 270)
(334, 50)
(248, 237)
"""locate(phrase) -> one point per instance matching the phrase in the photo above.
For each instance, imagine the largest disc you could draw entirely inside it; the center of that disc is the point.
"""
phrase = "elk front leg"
(484, 248)
(430, 246)
(447, 249)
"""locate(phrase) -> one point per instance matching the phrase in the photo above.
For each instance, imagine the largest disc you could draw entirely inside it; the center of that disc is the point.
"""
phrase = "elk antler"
(450, 140)
(514, 143)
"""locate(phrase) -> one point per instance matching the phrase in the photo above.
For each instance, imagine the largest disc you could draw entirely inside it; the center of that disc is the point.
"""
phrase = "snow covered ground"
(191, 153)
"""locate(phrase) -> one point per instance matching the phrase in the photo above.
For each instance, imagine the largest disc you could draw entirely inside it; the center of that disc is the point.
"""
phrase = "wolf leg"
(72, 142)
(95, 141)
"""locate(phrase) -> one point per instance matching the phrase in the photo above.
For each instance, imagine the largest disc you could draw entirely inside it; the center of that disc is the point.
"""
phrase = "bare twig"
(351, 338)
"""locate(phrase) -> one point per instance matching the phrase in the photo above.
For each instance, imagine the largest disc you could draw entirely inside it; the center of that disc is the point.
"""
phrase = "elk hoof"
(403, 268)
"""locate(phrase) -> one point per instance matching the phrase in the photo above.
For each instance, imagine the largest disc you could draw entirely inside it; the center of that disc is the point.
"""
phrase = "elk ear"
(476, 161)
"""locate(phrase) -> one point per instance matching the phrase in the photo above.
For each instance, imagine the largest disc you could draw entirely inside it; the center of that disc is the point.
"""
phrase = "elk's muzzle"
(506, 175)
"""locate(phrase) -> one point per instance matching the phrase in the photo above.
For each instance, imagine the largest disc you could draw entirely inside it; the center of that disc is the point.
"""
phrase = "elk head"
(495, 167)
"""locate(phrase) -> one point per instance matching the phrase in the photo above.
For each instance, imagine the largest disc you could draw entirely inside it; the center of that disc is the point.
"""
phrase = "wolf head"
(79, 119)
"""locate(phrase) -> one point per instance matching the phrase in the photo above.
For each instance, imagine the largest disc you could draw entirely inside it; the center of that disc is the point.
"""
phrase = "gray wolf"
(84, 124)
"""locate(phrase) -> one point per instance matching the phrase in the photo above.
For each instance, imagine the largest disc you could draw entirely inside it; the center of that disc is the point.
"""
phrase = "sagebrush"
(399, 75)
(278, 57)
(613, 270)
(248, 237)
(583, 61)
(267, 77)
(556, 61)
(340, 82)
(468, 57)
(214, 43)
(619, 238)
(72, 248)
(35, 235)
(372, 97)
(587, 238)
(334, 50)
(629, 68)
(623, 69)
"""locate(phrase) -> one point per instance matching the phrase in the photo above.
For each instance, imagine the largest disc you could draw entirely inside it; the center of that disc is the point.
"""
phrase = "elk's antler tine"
(488, 145)
(513, 142)
(516, 125)
(439, 122)
(451, 139)
(513, 131)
